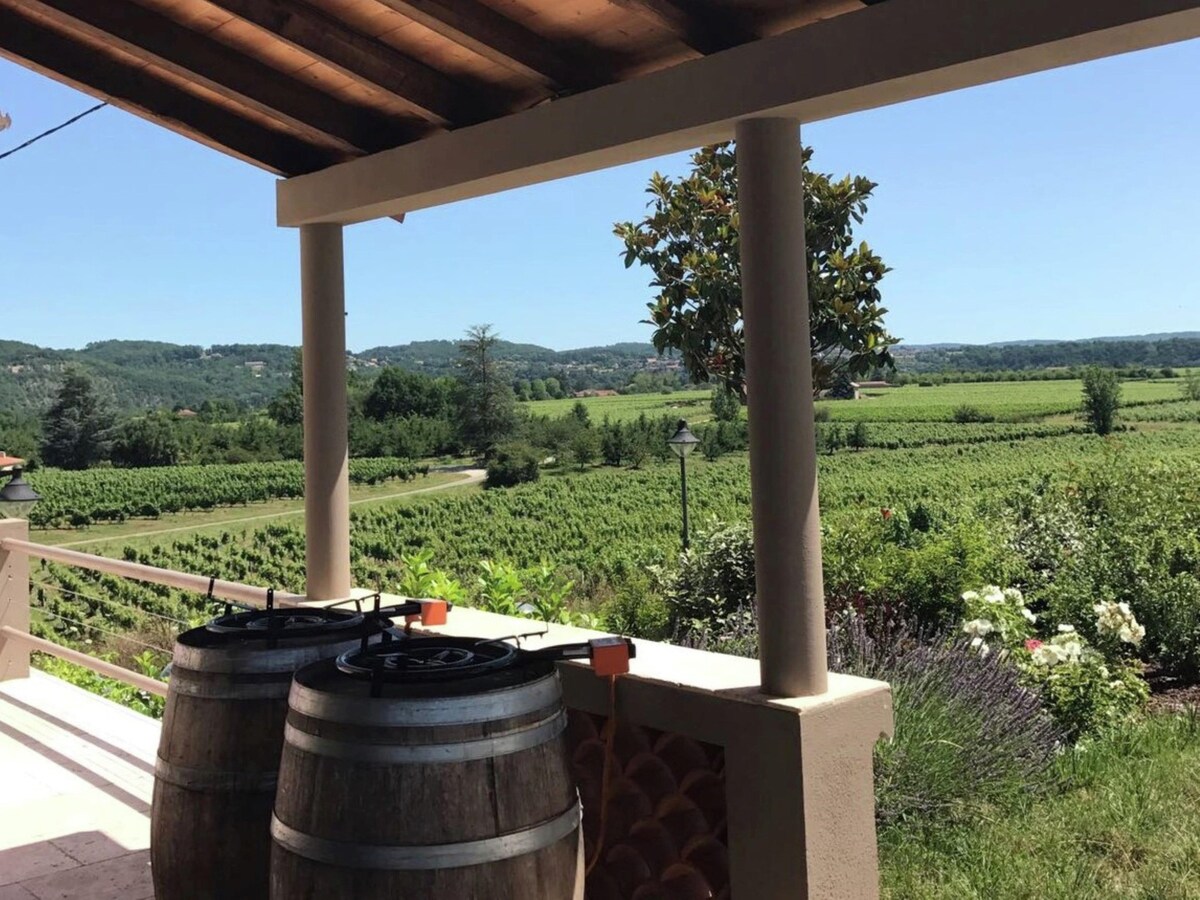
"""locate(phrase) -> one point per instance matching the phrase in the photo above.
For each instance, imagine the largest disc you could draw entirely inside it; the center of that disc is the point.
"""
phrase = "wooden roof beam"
(310, 113)
(894, 51)
(426, 91)
(136, 91)
(709, 33)
(496, 37)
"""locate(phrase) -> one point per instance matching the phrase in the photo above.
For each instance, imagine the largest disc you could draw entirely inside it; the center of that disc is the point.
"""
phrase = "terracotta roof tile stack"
(665, 832)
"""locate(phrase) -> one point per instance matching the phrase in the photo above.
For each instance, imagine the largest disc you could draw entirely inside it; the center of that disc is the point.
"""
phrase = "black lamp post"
(683, 442)
(17, 497)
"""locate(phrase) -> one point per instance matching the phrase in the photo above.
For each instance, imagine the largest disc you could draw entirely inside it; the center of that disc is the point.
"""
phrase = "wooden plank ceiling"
(294, 86)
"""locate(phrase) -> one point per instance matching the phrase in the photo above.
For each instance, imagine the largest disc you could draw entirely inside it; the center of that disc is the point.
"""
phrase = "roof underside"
(295, 86)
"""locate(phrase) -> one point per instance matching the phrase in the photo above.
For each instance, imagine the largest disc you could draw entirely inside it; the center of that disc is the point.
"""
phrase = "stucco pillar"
(14, 601)
(326, 442)
(783, 453)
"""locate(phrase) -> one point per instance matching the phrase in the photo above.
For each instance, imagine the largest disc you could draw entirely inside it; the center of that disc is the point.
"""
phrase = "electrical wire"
(112, 634)
(50, 131)
(113, 603)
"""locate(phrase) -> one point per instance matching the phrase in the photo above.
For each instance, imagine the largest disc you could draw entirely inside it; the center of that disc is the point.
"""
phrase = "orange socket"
(610, 655)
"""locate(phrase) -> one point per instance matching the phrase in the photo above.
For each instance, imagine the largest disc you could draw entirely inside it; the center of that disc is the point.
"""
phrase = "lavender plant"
(967, 732)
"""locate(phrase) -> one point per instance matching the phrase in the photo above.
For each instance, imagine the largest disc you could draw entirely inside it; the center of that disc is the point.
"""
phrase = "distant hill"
(145, 374)
(1149, 350)
(135, 375)
(525, 360)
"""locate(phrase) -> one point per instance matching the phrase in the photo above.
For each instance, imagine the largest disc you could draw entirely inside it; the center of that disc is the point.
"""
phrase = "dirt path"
(473, 476)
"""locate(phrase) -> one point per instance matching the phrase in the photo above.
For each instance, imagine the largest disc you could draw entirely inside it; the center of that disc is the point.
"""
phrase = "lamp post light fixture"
(17, 497)
(683, 442)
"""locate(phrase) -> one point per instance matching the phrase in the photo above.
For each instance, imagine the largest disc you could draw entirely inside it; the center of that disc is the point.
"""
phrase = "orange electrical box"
(610, 655)
(433, 612)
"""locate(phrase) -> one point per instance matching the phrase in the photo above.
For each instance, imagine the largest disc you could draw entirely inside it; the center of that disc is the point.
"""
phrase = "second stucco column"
(783, 454)
(326, 442)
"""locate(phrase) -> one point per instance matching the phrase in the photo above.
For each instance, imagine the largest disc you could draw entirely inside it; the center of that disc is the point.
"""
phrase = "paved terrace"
(75, 806)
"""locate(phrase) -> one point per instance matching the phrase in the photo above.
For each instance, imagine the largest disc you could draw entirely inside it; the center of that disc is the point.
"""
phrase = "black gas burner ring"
(427, 659)
(286, 622)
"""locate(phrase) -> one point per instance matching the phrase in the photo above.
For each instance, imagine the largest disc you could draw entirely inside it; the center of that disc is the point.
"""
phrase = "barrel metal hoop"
(502, 744)
(194, 779)
(466, 710)
(253, 658)
(261, 690)
(427, 856)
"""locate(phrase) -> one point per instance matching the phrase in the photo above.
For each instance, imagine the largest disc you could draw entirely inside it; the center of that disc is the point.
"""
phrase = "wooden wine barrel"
(218, 757)
(409, 782)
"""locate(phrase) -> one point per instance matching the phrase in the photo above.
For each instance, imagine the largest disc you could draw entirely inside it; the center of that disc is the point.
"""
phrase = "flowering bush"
(996, 616)
(1085, 694)
(1126, 531)
(1115, 620)
(1085, 689)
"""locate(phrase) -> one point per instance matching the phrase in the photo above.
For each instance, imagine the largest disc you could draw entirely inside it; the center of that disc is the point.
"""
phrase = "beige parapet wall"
(799, 776)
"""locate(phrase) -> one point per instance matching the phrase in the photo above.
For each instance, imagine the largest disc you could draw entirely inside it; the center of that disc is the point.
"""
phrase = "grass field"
(1127, 827)
(1008, 401)
(690, 405)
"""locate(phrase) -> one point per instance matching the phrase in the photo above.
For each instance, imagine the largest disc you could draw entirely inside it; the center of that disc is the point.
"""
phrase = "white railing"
(15, 613)
(99, 666)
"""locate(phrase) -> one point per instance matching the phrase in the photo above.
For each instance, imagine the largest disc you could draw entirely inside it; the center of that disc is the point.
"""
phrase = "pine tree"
(77, 426)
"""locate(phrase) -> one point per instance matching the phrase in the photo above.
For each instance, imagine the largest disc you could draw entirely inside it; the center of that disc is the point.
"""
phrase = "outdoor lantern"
(683, 442)
(17, 497)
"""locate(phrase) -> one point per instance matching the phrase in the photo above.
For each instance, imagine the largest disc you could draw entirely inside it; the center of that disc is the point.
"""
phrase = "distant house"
(871, 385)
(255, 365)
(605, 392)
(186, 413)
(8, 463)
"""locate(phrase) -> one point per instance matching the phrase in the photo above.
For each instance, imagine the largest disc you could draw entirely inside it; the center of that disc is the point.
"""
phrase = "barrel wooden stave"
(535, 876)
(218, 761)
(410, 804)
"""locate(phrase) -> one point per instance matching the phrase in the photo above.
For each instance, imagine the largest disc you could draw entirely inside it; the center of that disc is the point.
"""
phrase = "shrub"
(513, 464)
(1101, 397)
(967, 732)
(967, 413)
(1086, 690)
(859, 437)
(1135, 540)
(637, 608)
(715, 579)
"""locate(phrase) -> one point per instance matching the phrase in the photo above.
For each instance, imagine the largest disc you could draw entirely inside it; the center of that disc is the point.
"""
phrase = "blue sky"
(1059, 205)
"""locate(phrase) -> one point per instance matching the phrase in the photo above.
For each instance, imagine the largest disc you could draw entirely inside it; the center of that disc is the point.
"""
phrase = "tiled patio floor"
(78, 771)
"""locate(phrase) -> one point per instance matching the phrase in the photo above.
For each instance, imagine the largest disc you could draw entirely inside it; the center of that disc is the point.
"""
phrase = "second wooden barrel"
(433, 769)
(222, 732)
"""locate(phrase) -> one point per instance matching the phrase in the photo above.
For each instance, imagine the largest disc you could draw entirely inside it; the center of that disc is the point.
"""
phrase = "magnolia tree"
(690, 242)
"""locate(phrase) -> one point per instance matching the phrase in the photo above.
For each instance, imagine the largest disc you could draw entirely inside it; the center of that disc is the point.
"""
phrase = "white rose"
(978, 628)
(1066, 629)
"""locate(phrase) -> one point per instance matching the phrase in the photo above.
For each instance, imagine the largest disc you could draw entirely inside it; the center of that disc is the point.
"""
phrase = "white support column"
(783, 454)
(326, 442)
(14, 601)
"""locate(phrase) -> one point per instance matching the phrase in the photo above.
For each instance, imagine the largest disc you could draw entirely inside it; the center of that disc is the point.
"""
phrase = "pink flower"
(1032, 644)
